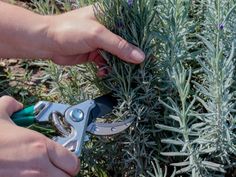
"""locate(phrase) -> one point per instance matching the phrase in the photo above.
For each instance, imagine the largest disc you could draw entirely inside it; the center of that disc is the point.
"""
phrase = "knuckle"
(35, 170)
(123, 45)
(41, 168)
(40, 145)
(37, 173)
(96, 31)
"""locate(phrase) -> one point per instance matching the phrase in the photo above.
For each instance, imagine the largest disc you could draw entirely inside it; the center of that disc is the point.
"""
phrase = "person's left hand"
(77, 36)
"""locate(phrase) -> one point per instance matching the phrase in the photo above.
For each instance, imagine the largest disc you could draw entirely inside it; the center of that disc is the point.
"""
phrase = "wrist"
(23, 34)
(52, 31)
(38, 41)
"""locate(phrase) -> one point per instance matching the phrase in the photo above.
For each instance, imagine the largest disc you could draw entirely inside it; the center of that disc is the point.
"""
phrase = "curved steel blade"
(103, 105)
(104, 129)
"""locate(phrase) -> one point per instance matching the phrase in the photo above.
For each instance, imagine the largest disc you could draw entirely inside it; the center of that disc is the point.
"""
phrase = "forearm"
(23, 33)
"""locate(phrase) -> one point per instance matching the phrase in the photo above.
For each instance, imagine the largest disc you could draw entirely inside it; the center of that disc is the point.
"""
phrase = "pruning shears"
(73, 122)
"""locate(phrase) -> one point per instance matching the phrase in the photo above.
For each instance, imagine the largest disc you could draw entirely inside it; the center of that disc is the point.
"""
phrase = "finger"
(100, 62)
(96, 58)
(102, 73)
(55, 172)
(62, 158)
(121, 48)
(9, 105)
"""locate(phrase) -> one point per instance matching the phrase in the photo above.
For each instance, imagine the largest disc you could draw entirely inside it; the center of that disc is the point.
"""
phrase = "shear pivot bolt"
(77, 115)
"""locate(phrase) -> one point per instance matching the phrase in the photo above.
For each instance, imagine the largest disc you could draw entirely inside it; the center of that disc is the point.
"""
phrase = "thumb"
(62, 158)
(8, 106)
(118, 46)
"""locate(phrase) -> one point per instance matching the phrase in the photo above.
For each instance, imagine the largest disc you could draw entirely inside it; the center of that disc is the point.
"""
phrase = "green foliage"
(158, 171)
(190, 110)
(134, 85)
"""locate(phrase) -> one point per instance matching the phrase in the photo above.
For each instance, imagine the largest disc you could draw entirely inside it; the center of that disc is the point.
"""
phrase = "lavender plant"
(192, 119)
(182, 115)
(158, 171)
(133, 84)
(216, 93)
(182, 96)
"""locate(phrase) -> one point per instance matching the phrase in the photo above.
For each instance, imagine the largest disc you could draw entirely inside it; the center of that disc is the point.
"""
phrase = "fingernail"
(137, 55)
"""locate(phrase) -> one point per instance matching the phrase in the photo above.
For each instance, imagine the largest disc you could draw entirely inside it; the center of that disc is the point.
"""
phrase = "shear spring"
(60, 126)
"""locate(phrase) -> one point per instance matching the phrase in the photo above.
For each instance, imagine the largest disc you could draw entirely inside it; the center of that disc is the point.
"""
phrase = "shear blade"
(105, 129)
(104, 105)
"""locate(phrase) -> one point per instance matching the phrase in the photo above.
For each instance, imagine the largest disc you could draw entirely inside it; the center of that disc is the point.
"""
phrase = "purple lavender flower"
(221, 26)
(119, 24)
(130, 2)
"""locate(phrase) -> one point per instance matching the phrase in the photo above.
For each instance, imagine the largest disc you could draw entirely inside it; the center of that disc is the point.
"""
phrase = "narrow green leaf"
(214, 166)
(206, 42)
(209, 150)
(171, 141)
(176, 118)
(184, 170)
(168, 128)
(174, 154)
(180, 164)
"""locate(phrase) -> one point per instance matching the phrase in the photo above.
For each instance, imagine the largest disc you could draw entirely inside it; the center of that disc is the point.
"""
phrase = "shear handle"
(24, 117)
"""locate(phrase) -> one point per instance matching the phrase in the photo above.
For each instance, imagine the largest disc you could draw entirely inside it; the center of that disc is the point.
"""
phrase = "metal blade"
(105, 129)
(104, 105)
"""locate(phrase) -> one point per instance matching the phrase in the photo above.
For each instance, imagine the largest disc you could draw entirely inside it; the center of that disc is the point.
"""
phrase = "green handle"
(24, 117)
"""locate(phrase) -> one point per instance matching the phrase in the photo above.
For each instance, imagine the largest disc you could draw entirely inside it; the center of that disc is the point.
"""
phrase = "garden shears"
(73, 122)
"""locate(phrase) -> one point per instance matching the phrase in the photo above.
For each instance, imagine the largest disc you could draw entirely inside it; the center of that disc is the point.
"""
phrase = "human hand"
(71, 38)
(25, 153)
(77, 36)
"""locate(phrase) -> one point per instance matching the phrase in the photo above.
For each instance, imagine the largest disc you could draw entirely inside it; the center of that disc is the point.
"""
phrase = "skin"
(68, 39)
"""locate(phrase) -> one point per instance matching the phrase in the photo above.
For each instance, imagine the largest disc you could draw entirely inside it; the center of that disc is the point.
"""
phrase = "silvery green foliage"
(197, 120)
(216, 94)
(68, 84)
(211, 130)
(45, 7)
(133, 84)
(173, 26)
(216, 128)
(183, 122)
(158, 171)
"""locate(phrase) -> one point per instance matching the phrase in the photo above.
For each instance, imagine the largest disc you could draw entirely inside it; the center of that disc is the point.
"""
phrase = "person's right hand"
(25, 153)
